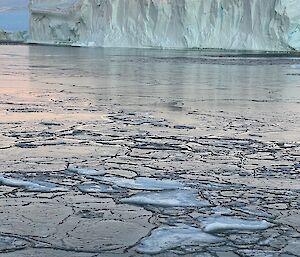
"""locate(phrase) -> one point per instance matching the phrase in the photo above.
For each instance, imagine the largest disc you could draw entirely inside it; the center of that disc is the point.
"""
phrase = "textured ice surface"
(223, 224)
(85, 171)
(142, 183)
(226, 24)
(167, 238)
(33, 186)
(173, 198)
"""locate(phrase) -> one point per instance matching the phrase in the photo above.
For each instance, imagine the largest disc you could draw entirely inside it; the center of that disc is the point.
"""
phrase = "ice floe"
(33, 186)
(85, 171)
(223, 224)
(142, 183)
(254, 212)
(172, 198)
(184, 127)
(9, 243)
(93, 188)
(295, 66)
(167, 238)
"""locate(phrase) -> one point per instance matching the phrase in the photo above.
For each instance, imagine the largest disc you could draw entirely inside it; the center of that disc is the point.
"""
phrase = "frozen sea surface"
(124, 152)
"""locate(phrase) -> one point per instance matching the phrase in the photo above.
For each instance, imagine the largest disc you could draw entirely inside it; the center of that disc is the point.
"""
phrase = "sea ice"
(223, 224)
(295, 66)
(184, 127)
(142, 183)
(167, 238)
(172, 198)
(85, 171)
(33, 186)
(93, 188)
(9, 243)
(254, 212)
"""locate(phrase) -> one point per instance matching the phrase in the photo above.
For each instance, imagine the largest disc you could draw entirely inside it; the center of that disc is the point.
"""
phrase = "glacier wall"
(226, 24)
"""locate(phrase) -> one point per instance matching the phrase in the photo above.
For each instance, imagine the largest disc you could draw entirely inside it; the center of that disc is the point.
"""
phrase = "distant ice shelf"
(13, 36)
(271, 25)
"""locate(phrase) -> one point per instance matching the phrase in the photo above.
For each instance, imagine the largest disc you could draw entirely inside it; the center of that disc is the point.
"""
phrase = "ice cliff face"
(227, 24)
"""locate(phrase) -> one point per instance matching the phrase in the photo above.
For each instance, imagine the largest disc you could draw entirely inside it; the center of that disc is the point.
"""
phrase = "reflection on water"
(171, 83)
(185, 75)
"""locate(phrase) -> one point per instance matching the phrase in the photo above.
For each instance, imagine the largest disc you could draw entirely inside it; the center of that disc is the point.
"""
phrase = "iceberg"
(272, 25)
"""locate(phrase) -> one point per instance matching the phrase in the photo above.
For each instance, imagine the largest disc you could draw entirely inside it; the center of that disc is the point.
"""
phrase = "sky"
(14, 15)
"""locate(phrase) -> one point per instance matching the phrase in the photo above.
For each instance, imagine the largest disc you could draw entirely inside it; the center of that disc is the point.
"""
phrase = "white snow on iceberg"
(172, 198)
(32, 186)
(223, 224)
(224, 24)
(167, 238)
